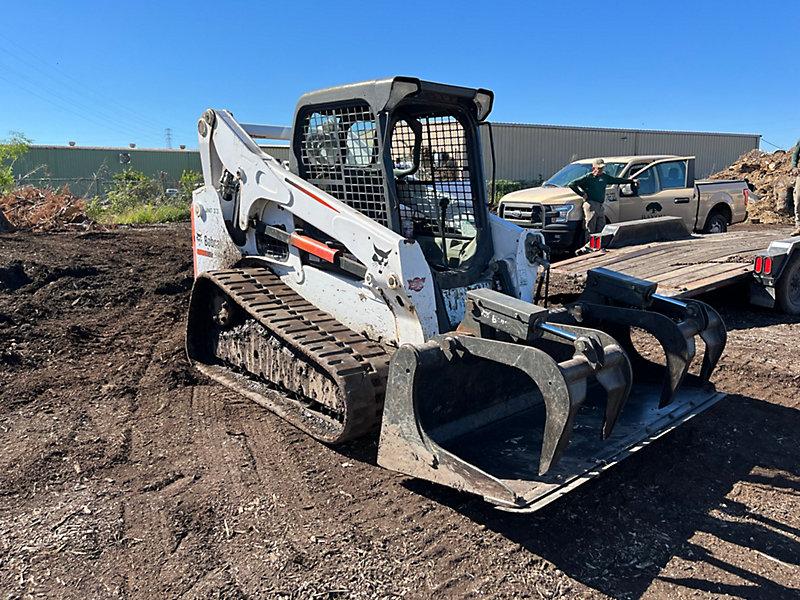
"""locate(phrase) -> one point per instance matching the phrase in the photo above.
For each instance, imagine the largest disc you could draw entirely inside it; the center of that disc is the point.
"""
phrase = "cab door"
(628, 206)
(675, 191)
(664, 191)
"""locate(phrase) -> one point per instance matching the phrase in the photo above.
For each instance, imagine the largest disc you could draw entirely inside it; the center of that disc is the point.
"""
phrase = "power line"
(63, 106)
(93, 111)
(771, 144)
(82, 89)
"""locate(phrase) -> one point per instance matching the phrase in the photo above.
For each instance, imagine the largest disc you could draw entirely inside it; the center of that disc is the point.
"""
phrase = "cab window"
(672, 175)
(647, 182)
(635, 169)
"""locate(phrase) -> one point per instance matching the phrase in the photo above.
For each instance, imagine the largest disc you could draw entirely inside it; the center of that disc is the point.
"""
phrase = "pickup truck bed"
(683, 268)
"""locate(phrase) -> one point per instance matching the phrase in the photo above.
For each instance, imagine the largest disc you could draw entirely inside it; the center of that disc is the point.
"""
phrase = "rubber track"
(358, 366)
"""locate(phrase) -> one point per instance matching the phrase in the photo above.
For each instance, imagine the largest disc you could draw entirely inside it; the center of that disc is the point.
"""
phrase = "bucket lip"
(688, 403)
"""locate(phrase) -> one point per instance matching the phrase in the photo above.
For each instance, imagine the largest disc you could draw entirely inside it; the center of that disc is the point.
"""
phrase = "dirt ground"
(125, 474)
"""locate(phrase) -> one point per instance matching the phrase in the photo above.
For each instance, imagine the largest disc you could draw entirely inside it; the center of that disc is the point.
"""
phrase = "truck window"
(574, 170)
(636, 168)
(672, 175)
(647, 182)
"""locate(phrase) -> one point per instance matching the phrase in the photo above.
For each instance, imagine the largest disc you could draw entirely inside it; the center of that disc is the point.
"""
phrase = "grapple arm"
(615, 302)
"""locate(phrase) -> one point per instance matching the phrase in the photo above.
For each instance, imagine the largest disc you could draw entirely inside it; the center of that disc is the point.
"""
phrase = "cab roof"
(627, 159)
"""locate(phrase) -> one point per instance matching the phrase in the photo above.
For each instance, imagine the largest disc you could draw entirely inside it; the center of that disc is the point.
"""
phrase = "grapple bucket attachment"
(616, 303)
(517, 409)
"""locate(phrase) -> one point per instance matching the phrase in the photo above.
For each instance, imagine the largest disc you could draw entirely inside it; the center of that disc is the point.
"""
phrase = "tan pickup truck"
(666, 187)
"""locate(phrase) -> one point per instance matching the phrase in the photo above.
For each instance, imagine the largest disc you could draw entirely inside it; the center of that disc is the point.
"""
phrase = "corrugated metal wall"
(535, 152)
(522, 152)
(281, 153)
(87, 171)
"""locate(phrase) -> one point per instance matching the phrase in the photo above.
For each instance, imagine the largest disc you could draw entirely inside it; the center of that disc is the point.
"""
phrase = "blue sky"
(110, 73)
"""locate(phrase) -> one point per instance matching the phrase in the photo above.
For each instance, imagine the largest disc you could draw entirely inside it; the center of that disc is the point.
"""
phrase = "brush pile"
(771, 176)
(40, 209)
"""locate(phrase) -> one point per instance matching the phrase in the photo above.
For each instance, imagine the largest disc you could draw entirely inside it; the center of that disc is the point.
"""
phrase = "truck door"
(676, 193)
(664, 191)
(627, 207)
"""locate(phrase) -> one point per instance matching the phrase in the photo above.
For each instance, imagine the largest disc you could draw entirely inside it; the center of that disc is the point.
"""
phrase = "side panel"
(353, 303)
(729, 193)
(509, 245)
(211, 245)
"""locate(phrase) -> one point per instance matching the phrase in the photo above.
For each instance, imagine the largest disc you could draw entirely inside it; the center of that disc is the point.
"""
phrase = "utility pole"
(168, 137)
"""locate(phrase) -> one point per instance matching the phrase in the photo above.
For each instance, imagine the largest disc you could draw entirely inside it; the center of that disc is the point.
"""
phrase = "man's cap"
(599, 162)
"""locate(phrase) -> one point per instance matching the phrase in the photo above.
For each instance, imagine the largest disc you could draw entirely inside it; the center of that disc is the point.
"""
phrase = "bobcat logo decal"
(381, 257)
(654, 207)
(416, 284)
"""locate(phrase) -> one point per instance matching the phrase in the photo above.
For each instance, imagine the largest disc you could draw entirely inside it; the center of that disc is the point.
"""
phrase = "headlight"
(561, 213)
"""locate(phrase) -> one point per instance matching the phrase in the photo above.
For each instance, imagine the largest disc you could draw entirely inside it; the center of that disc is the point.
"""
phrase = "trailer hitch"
(617, 303)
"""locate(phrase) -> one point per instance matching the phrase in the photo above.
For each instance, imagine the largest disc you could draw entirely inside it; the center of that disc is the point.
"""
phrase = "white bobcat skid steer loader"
(367, 284)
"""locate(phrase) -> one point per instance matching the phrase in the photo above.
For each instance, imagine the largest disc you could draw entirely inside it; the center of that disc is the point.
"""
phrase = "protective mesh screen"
(339, 154)
(442, 179)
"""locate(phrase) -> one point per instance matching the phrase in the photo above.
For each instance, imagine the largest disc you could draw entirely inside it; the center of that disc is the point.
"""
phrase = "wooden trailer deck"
(682, 268)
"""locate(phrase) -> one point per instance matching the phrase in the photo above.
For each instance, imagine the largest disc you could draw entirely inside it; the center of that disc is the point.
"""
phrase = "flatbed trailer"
(697, 264)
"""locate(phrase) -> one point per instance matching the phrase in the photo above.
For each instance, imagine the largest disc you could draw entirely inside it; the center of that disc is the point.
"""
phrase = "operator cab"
(405, 153)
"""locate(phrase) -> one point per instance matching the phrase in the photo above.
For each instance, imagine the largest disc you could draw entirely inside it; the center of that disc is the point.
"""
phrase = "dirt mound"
(43, 210)
(771, 176)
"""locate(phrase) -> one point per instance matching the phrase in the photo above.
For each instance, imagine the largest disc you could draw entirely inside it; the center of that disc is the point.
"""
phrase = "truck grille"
(529, 214)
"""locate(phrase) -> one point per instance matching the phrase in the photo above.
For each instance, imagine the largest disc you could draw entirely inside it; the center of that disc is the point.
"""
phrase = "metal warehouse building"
(522, 152)
(88, 170)
(535, 152)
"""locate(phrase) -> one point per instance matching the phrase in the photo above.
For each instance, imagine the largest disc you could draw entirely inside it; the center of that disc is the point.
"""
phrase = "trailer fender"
(776, 276)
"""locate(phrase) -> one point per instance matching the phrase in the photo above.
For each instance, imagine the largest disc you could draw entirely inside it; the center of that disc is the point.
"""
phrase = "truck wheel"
(788, 288)
(716, 223)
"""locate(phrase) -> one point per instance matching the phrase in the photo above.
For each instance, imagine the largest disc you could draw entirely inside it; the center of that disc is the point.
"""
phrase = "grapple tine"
(612, 370)
(561, 402)
(714, 335)
(562, 385)
(616, 380)
(698, 318)
(677, 342)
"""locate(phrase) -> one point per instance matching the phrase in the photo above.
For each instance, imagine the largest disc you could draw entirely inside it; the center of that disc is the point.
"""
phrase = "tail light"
(746, 193)
(763, 265)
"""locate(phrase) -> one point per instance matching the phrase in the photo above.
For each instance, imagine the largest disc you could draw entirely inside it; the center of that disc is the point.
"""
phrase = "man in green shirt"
(592, 188)
(796, 173)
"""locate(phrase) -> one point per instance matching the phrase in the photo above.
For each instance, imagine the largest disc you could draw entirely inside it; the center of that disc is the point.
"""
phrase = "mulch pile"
(42, 210)
(770, 174)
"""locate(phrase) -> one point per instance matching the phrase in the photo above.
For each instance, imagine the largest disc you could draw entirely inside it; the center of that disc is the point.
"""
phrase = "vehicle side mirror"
(629, 189)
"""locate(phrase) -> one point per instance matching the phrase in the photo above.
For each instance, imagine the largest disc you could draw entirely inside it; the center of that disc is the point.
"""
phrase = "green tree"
(190, 181)
(11, 150)
(131, 188)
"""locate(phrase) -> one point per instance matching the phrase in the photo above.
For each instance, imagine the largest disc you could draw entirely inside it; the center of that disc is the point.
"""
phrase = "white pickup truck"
(666, 187)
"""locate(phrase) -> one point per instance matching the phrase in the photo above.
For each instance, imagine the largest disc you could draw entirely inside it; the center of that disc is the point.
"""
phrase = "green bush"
(146, 214)
(10, 150)
(506, 186)
(131, 188)
(135, 198)
(190, 181)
